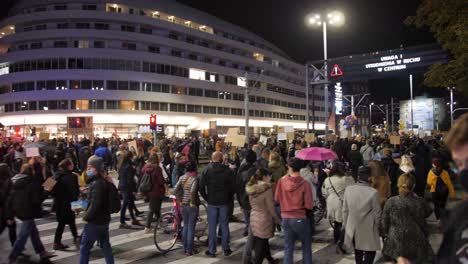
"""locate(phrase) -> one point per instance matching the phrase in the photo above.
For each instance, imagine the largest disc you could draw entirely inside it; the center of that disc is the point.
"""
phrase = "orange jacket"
(432, 180)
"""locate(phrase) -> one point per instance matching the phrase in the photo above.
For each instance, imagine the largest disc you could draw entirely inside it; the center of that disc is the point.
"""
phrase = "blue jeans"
(28, 228)
(218, 214)
(189, 216)
(297, 229)
(92, 233)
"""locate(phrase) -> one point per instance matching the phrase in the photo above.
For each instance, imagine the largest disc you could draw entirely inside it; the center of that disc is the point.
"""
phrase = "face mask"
(90, 173)
(463, 178)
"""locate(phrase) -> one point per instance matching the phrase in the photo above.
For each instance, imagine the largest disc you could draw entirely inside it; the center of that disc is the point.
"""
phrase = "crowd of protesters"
(373, 191)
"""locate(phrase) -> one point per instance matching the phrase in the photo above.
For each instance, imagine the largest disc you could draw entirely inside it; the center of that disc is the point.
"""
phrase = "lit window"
(241, 82)
(197, 74)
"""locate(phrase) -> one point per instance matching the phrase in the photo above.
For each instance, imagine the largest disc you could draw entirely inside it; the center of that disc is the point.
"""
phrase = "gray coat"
(334, 199)
(361, 217)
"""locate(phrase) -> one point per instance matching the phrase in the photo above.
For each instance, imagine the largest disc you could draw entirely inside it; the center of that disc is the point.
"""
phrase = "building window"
(41, 27)
(60, 7)
(146, 30)
(209, 110)
(195, 92)
(223, 111)
(89, 7)
(113, 104)
(82, 25)
(23, 47)
(128, 46)
(99, 44)
(81, 44)
(179, 90)
(194, 108)
(134, 86)
(61, 44)
(127, 105)
(62, 25)
(153, 49)
(101, 26)
(36, 45)
(177, 108)
(127, 28)
(176, 53)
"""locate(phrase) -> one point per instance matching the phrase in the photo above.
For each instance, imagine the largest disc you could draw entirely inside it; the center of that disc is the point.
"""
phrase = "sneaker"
(209, 254)
(60, 246)
(227, 252)
(148, 231)
(124, 225)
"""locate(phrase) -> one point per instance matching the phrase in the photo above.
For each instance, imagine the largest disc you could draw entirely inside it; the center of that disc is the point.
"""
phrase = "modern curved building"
(120, 61)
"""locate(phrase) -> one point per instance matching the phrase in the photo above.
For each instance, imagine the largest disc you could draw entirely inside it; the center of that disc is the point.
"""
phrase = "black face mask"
(463, 178)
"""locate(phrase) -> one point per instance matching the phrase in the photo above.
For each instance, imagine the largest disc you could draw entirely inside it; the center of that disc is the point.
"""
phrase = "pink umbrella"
(316, 154)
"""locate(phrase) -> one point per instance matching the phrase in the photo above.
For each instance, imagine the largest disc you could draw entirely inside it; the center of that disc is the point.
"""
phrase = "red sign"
(336, 71)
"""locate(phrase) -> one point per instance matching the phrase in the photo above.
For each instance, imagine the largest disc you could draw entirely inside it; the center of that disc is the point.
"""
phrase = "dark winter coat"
(97, 211)
(65, 191)
(404, 226)
(84, 155)
(127, 177)
(393, 171)
(217, 184)
(242, 180)
(25, 201)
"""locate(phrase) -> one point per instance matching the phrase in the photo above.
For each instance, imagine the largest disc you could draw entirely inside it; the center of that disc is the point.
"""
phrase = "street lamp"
(334, 18)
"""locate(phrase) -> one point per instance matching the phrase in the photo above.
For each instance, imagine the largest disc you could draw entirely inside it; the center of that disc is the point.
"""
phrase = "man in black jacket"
(248, 170)
(97, 216)
(392, 169)
(25, 203)
(217, 188)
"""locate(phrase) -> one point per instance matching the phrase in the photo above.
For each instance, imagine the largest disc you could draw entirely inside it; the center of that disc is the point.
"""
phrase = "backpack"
(145, 183)
(113, 198)
(441, 187)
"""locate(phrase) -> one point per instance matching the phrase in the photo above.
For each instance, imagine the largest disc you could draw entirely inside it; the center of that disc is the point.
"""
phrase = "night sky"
(371, 25)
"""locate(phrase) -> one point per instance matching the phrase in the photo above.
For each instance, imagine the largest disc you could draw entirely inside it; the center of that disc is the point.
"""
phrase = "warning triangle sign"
(336, 71)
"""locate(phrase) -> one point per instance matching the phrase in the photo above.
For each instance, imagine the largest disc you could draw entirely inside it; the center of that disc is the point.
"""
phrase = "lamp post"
(334, 18)
(370, 118)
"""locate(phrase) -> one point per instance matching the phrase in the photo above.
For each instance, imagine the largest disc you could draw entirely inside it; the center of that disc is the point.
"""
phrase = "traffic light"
(153, 122)
(77, 122)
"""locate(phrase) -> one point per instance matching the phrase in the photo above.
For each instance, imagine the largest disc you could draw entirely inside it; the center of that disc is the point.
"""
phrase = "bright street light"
(334, 18)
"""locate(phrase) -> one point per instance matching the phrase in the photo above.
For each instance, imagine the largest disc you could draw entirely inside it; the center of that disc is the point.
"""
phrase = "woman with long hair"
(263, 215)
(403, 224)
(333, 190)
(406, 166)
(156, 194)
(380, 180)
(65, 191)
(127, 187)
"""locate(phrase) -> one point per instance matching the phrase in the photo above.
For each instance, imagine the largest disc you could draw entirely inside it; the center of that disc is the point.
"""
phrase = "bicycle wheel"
(166, 232)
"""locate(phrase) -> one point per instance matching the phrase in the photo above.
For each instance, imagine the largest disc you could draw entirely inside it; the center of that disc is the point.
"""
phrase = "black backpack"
(113, 198)
(441, 187)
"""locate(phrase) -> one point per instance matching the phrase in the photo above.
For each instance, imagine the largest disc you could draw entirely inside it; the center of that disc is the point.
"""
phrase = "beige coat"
(263, 214)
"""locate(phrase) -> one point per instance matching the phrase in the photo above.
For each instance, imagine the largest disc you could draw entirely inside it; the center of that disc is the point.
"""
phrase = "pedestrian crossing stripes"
(131, 246)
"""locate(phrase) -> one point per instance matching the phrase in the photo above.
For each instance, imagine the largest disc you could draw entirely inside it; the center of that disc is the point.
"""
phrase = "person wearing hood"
(158, 189)
(361, 218)
(25, 203)
(294, 195)
(97, 215)
(217, 188)
(333, 189)
(186, 191)
(355, 160)
(127, 187)
(276, 166)
(263, 214)
(65, 191)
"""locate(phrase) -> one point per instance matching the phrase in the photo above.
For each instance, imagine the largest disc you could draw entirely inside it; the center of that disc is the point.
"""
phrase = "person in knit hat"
(97, 216)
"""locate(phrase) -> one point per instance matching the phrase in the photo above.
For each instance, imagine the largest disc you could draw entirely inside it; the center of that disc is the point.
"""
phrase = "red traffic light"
(153, 122)
(77, 121)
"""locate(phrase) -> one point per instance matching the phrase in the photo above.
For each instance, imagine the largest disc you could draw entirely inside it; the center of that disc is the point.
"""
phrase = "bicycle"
(168, 230)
